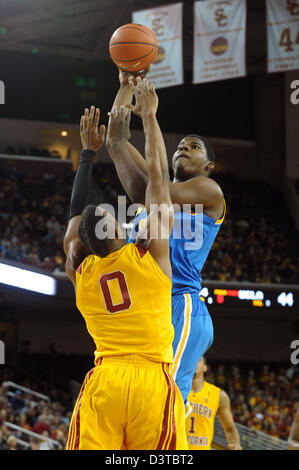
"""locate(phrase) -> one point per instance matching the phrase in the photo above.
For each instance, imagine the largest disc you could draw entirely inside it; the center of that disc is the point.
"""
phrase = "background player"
(129, 400)
(192, 165)
(209, 401)
(293, 440)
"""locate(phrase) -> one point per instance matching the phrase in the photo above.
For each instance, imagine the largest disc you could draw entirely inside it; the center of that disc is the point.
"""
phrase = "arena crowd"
(257, 242)
(264, 399)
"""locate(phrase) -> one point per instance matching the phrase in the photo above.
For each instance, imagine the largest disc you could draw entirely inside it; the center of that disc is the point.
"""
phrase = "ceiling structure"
(82, 28)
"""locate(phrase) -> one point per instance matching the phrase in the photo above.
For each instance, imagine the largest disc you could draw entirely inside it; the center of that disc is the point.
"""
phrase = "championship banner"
(283, 35)
(166, 23)
(219, 40)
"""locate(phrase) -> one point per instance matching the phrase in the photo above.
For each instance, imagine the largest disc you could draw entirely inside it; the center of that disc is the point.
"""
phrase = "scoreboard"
(254, 295)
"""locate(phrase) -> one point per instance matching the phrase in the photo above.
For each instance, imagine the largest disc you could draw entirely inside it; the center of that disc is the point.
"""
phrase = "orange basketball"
(133, 47)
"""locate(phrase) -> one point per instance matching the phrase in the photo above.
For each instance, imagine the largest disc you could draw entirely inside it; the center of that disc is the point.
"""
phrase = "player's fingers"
(115, 112)
(85, 119)
(153, 89)
(128, 118)
(134, 89)
(129, 106)
(81, 124)
(146, 86)
(102, 132)
(127, 113)
(140, 85)
(91, 115)
(96, 119)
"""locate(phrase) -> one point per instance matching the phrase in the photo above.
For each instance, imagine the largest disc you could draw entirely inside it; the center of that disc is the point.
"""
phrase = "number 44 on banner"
(283, 35)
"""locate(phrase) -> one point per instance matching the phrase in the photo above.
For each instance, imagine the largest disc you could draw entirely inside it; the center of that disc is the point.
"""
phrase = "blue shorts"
(193, 335)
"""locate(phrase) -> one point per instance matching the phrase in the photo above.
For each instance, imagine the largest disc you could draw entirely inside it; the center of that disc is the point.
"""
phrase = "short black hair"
(208, 146)
(87, 232)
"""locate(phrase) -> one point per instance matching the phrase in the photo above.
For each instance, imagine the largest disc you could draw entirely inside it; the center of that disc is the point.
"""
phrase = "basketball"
(133, 47)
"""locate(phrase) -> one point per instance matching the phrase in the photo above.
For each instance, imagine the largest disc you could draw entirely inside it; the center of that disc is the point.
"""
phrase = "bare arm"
(293, 440)
(226, 419)
(91, 140)
(157, 198)
(129, 163)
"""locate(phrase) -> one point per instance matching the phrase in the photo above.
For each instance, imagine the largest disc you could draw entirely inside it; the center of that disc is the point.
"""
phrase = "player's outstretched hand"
(91, 137)
(126, 77)
(146, 99)
(119, 125)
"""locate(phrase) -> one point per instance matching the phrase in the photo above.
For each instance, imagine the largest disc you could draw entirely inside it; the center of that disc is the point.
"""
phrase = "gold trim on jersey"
(184, 336)
(219, 221)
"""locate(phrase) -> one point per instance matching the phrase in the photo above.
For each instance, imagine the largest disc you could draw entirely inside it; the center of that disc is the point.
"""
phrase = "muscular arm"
(157, 198)
(131, 175)
(293, 440)
(226, 419)
(92, 141)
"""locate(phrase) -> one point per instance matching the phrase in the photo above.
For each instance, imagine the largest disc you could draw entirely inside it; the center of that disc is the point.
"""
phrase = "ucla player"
(209, 401)
(192, 163)
(133, 339)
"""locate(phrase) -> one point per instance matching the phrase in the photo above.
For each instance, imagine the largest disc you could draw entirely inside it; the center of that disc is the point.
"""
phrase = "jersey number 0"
(123, 287)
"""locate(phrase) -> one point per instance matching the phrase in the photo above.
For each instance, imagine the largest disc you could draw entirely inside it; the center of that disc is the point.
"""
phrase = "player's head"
(99, 231)
(194, 157)
(201, 367)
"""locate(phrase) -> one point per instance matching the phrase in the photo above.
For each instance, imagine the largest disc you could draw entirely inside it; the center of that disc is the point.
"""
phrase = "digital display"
(255, 297)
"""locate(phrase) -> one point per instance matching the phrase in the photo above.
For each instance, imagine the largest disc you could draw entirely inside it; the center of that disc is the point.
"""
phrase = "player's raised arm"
(157, 198)
(225, 416)
(129, 163)
(92, 140)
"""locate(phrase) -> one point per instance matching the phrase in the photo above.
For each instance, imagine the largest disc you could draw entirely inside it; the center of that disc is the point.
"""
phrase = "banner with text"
(283, 35)
(166, 23)
(219, 40)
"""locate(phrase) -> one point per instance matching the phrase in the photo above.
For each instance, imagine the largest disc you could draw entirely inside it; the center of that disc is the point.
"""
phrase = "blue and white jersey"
(190, 242)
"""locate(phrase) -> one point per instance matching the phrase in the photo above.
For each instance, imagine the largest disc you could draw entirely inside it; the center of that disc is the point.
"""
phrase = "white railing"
(54, 444)
(250, 439)
(26, 390)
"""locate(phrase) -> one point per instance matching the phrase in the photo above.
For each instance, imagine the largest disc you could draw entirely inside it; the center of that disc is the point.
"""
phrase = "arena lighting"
(17, 277)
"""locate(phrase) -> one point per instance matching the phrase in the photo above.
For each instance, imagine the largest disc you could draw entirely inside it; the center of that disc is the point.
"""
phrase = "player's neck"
(180, 178)
(198, 383)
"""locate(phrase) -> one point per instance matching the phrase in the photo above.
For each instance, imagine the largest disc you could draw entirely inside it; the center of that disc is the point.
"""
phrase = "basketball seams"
(135, 42)
(138, 29)
(135, 58)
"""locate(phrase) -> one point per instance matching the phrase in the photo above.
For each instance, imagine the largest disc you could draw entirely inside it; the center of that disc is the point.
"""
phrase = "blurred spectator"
(11, 443)
(263, 399)
(3, 446)
(257, 242)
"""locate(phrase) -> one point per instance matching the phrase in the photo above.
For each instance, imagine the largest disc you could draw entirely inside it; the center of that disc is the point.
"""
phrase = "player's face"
(190, 158)
(201, 367)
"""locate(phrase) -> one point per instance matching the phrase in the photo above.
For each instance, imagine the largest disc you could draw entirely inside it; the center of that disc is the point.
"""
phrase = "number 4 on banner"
(286, 40)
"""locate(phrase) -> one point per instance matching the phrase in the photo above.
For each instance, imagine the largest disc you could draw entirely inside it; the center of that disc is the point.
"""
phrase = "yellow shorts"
(131, 403)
